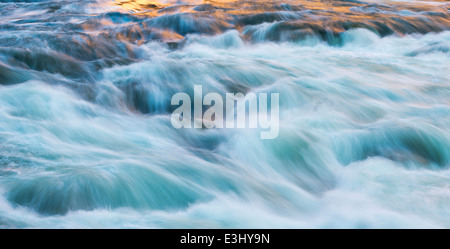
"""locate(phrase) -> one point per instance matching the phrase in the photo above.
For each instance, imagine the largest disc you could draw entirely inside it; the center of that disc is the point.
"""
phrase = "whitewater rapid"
(86, 139)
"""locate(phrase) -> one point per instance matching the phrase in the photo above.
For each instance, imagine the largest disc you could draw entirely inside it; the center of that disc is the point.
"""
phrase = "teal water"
(86, 139)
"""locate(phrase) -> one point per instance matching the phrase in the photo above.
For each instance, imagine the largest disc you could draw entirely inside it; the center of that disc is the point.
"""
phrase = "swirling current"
(86, 139)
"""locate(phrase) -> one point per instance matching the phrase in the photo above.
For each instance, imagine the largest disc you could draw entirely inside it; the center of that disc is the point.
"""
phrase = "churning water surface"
(86, 139)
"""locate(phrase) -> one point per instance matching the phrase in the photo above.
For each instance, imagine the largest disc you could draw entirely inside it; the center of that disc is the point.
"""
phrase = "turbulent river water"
(86, 139)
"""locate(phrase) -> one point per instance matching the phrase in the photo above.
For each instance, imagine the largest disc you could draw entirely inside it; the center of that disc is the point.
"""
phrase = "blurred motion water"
(86, 139)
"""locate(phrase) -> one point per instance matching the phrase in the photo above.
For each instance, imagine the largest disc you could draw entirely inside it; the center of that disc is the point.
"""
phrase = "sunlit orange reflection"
(333, 15)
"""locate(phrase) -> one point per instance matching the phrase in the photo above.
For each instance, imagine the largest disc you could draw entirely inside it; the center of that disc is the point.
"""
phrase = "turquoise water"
(86, 139)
